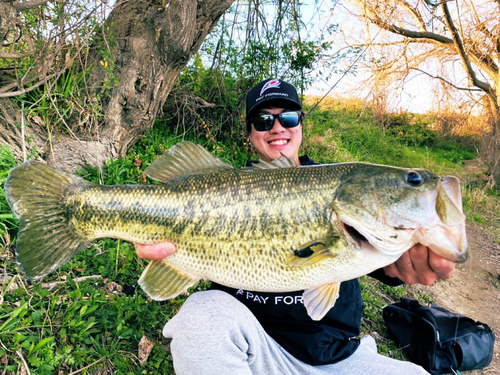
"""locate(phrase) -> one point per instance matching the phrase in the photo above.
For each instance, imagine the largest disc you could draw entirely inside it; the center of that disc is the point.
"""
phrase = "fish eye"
(413, 178)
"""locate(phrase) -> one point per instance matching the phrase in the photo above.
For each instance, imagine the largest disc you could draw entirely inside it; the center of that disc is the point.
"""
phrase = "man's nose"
(277, 127)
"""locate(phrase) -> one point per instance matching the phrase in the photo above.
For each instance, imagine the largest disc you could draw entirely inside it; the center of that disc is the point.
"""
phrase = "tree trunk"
(148, 45)
(153, 45)
(490, 146)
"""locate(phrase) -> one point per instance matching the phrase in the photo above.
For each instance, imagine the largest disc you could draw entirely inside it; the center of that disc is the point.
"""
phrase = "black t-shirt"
(284, 317)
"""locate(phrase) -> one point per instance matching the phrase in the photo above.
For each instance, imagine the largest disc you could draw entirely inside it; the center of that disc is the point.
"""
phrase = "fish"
(272, 227)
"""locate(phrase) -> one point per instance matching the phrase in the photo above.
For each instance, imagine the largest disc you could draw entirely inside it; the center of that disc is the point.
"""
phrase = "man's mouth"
(279, 142)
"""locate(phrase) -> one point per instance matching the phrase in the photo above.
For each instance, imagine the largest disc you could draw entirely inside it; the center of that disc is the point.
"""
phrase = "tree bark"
(490, 145)
(153, 45)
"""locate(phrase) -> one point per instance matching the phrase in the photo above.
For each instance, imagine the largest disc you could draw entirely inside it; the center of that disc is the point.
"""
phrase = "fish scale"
(274, 227)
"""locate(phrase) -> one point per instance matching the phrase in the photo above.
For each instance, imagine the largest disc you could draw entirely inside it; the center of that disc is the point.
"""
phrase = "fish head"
(391, 209)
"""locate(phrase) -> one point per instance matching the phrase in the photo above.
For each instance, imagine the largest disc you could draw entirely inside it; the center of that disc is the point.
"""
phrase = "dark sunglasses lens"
(289, 119)
(263, 122)
(266, 122)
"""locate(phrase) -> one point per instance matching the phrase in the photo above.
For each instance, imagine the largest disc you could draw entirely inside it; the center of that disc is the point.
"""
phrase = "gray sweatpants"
(214, 333)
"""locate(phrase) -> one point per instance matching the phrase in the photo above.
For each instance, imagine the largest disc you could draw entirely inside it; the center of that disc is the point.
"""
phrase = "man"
(229, 331)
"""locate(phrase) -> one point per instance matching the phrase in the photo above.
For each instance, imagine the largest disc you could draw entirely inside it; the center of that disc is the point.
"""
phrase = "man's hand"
(155, 251)
(420, 265)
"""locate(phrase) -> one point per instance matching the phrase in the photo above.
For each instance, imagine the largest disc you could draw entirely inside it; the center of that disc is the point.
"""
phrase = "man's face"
(279, 140)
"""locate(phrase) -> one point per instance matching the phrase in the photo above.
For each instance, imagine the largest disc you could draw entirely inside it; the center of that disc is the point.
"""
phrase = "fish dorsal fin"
(319, 300)
(281, 162)
(185, 158)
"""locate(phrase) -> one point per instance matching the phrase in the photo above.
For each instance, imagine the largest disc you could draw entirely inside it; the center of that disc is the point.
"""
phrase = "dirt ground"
(474, 289)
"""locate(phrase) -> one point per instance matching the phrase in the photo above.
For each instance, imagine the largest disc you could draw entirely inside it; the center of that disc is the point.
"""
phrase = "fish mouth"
(373, 243)
(357, 239)
(356, 236)
(393, 242)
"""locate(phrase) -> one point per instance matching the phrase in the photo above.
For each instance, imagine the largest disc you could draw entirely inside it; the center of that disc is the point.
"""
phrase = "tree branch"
(412, 34)
(11, 94)
(446, 81)
(484, 61)
(28, 4)
(457, 40)
(12, 55)
(414, 13)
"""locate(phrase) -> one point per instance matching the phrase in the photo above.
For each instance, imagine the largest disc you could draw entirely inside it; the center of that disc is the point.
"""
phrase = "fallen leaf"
(113, 287)
(145, 347)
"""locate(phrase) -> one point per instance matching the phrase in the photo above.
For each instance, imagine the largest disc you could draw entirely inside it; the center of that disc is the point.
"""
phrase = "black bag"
(438, 340)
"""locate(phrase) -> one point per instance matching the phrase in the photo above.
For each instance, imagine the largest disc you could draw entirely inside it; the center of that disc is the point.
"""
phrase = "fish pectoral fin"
(161, 281)
(311, 253)
(319, 300)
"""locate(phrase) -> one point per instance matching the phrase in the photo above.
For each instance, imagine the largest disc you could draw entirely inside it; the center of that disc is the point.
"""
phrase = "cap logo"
(272, 84)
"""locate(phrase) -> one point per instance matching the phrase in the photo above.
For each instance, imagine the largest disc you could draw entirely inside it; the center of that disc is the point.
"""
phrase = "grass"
(78, 320)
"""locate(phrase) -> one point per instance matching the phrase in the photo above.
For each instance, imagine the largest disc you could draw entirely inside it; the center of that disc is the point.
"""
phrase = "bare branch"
(484, 61)
(11, 94)
(52, 285)
(412, 34)
(28, 4)
(446, 81)
(457, 40)
(481, 25)
(414, 13)
(12, 55)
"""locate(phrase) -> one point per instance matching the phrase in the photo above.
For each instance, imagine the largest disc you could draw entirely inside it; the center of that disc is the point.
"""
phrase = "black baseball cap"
(280, 93)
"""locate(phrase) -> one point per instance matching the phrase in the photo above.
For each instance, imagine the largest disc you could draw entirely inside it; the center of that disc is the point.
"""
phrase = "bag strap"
(415, 306)
(462, 318)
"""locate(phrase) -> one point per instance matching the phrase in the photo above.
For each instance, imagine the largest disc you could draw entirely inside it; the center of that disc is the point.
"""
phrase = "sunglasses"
(263, 123)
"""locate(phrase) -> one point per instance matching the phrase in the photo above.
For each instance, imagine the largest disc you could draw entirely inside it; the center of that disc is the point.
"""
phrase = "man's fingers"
(420, 265)
(401, 268)
(155, 251)
(441, 266)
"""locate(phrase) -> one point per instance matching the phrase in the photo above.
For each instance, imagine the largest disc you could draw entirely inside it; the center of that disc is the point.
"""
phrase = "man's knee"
(213, 303)
(208, 311)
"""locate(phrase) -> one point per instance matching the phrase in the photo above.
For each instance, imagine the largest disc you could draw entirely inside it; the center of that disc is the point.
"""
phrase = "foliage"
(80, 319)
(80, 324)
(48, 72)
(57, 103)
(252, 42)
(54, 35)
(347, 129)
(269, 38)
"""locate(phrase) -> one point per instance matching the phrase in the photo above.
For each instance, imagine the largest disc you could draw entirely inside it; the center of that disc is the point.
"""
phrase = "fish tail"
(46, 239)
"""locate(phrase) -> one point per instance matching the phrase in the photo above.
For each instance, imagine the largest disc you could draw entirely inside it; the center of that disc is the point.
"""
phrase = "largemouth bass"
(275, 227)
